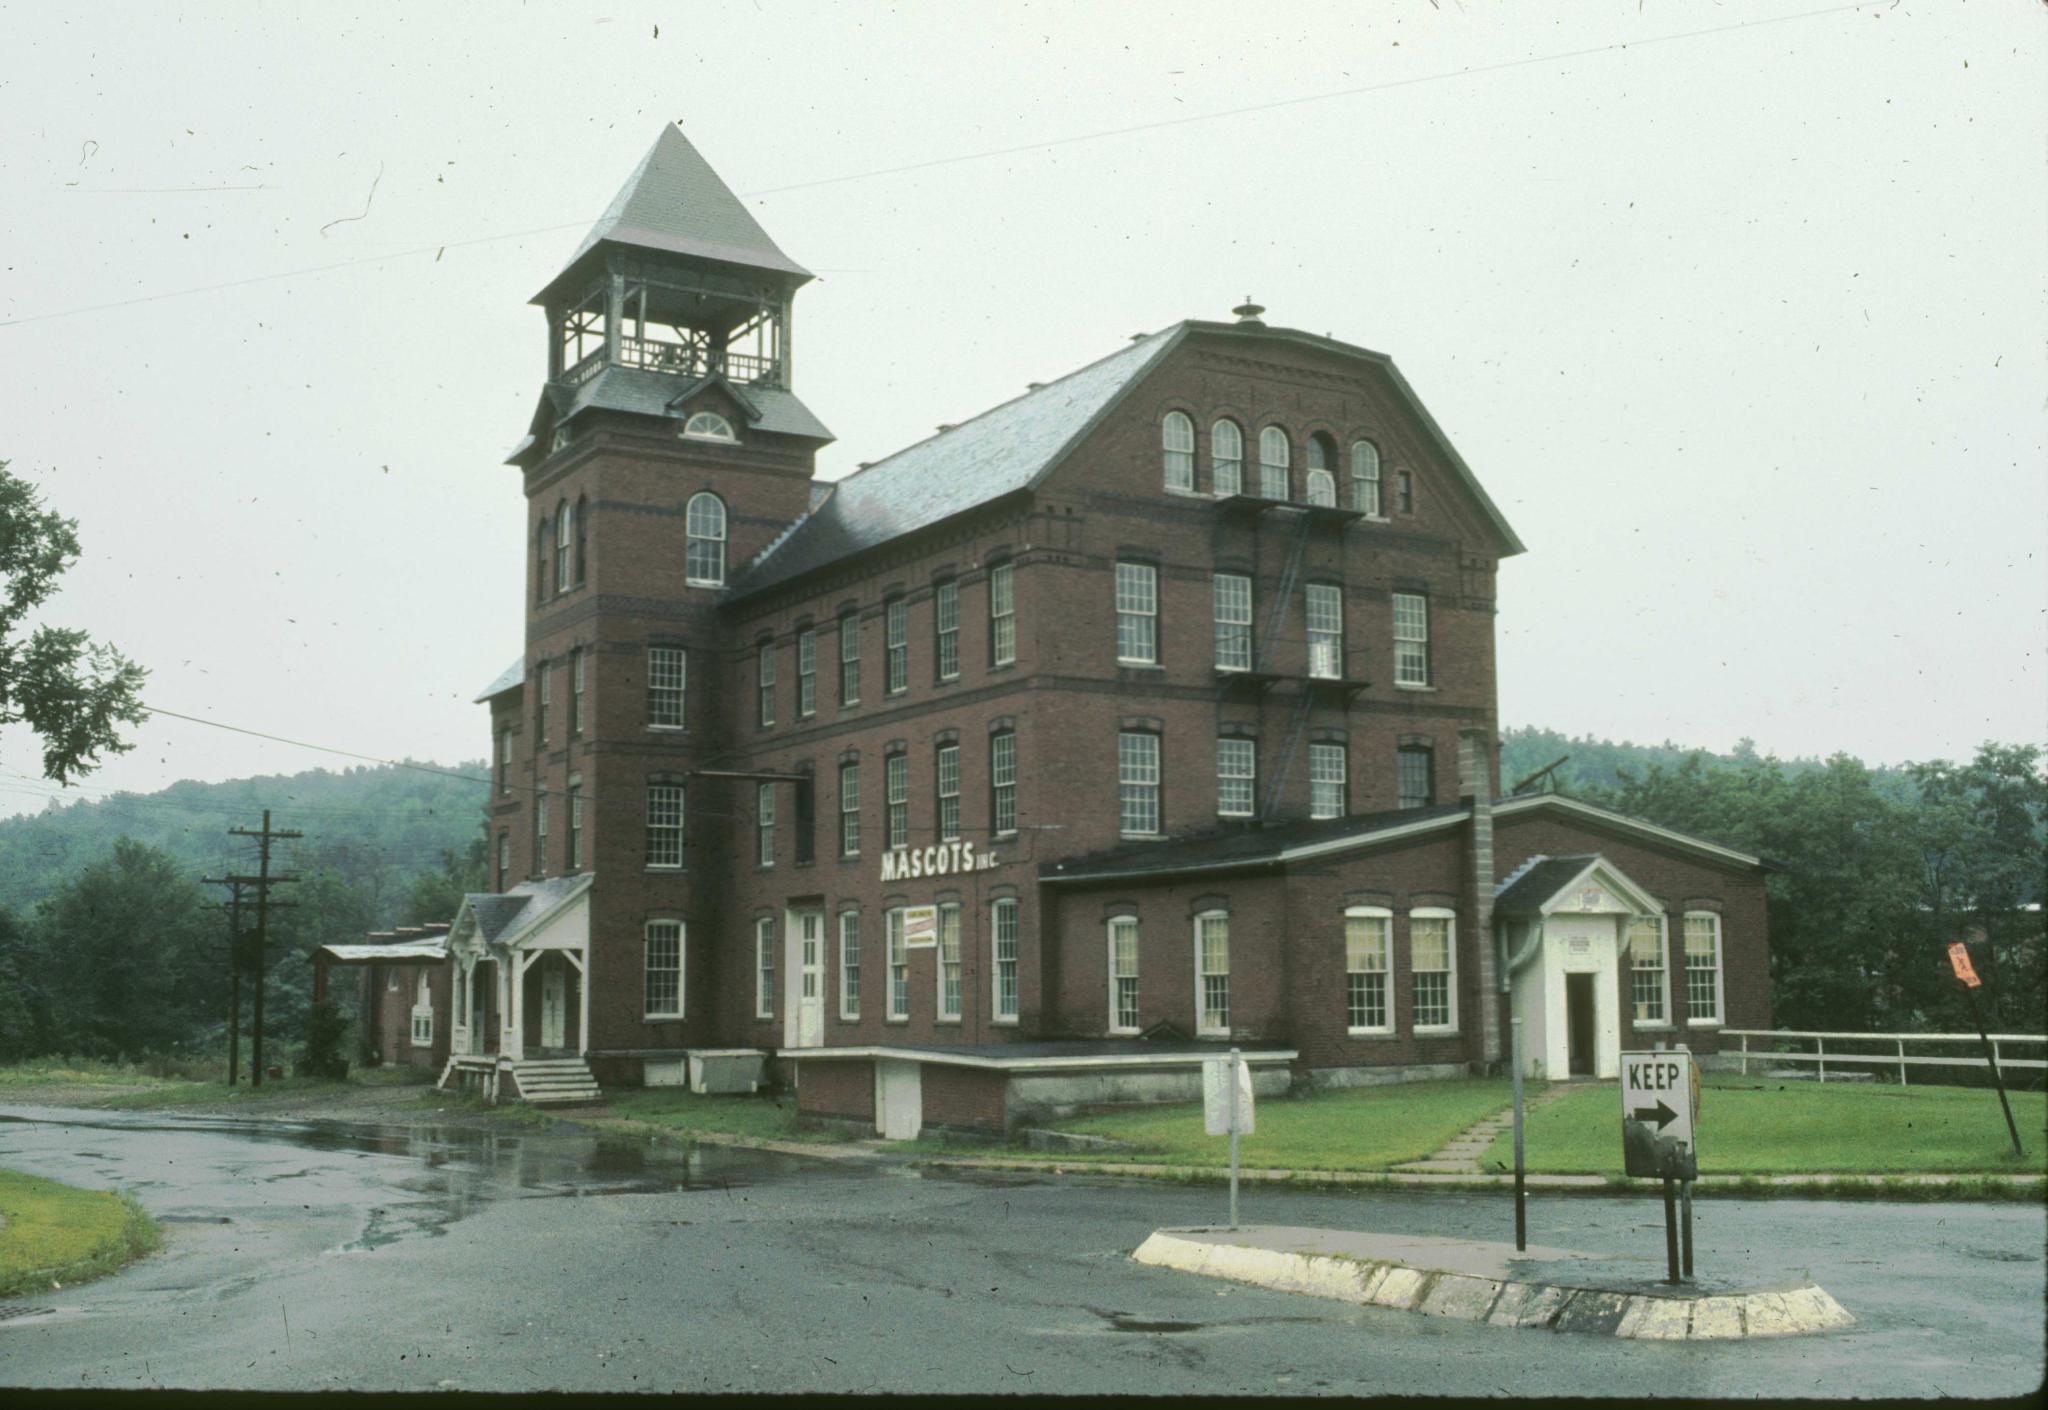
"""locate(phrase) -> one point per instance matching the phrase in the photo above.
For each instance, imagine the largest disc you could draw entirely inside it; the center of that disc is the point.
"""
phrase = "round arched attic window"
(709, 426)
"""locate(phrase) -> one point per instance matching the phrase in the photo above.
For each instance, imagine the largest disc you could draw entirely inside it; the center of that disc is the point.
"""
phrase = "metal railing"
(1899, 1057)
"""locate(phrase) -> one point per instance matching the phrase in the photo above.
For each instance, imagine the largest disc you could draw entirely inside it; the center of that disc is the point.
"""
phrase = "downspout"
(1513, 963)
(1475, 774)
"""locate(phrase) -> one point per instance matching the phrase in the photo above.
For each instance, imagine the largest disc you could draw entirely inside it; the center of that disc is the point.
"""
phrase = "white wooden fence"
(1771, 1052)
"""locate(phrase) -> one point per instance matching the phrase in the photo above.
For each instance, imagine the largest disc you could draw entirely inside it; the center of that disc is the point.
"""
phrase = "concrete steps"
(565, 1081)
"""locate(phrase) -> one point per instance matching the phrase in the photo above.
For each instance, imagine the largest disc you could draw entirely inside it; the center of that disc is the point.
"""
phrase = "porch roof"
(1541, 880)
(432, 951)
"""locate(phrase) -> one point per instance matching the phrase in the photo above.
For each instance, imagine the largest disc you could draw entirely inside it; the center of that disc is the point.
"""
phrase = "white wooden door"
(554, 1006)
(899, 1100)
(810, 999)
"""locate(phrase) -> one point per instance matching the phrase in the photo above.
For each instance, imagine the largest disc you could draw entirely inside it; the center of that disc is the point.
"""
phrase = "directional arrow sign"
(1657, 1114)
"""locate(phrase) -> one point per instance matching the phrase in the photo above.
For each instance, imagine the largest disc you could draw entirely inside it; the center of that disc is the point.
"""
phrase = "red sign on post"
(1959, 956)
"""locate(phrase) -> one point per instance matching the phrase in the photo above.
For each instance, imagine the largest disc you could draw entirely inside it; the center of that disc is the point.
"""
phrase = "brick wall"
(965, 1098)
(837, 1089)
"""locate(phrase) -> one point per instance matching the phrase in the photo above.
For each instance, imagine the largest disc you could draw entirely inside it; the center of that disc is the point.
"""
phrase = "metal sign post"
(1959, 960)
(1227, 1108)
(1657, 1138)
(1521, 1192)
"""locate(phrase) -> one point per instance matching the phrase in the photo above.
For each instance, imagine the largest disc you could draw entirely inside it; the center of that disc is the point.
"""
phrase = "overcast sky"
(1735, 307)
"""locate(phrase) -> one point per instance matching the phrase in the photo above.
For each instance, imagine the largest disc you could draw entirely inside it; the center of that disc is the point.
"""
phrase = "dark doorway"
(1578, 1005)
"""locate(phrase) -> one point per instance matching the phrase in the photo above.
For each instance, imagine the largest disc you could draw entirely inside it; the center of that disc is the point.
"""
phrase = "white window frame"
(1226, 458)
(1319, 480)
(895, 646)
(709, 426)
(648, 969)
(764, 825)
(1385, 918)
(849, 809)
(1411, 641)
(1005, 972)
(1323, 616)
(849, 658)
(946, 780)
(948, 971)
(504, 859)
(1177, 451)
(1237, 777)
(704, 522)
(764, 684)
(1638, 971)
(1137, 613)
(1365, 478)
(659, 826)
(1273, 472)
(764, 966)
(807, 673)
(1112, 931)
(1450, 971)
(576, 678)
(1230, 605)
(575, 822)
(896, 796)
(1002, 783)
(898, 957)
(1002, 614)
(1428, 755)
(1720, 1015)
(1134, 772)
(849, 974)
(1203, 1028)
(1320, 754)
(565, 528)
(544, 700)
(505, 760)
(423, 1011)
(946, 628)
(540, 831)
(668, 672)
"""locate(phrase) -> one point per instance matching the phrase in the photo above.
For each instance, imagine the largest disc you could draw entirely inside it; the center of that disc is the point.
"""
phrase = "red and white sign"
(920, 927)
(1959, 957)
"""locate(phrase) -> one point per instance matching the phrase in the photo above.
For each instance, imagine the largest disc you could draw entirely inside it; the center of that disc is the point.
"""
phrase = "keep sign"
(1657, 1106)
(1216, 1108)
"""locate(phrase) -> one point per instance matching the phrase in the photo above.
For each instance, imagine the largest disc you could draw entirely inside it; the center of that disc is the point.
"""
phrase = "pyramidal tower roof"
(675, 203)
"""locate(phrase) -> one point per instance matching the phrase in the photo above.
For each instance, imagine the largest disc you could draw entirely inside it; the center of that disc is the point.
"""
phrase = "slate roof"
(1015, 445)
(502, 917)
(1541, 880)
(675, 202)
(1246, 849)
(493, 912)
(514, 674)
(999, 452)
(646, 393)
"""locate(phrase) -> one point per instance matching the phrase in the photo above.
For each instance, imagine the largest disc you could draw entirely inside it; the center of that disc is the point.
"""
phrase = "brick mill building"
(1147, 713)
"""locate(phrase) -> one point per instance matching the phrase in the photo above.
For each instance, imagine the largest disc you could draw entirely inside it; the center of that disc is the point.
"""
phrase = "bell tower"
(667, 449)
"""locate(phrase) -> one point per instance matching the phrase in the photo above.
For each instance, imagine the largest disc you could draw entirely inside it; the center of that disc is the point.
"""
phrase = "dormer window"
(708, 426)
(559, 439)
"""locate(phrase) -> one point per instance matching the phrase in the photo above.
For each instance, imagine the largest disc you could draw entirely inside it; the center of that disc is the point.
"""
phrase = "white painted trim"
(1720, 977)
(1200, 997)
(995, 969)
(1644, 902)
(1385, 1030)
(839, 969)
(682, 971)
(1435, 1030)
(1511, 806)
(759, 921)
(1043, 1064)
(1109, 949)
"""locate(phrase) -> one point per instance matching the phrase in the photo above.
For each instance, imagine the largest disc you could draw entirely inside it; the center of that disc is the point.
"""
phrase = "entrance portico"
(522, 989)
(1566, 921)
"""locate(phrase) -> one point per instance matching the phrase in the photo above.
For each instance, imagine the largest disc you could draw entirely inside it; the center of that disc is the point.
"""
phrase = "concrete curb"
(1501, 1302)
(1831, 1186)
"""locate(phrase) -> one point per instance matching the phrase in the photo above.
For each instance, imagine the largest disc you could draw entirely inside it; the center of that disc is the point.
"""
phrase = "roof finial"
(1248, 313)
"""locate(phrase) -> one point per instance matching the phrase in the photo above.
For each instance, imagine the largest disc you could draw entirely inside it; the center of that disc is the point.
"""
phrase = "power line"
(323, 748)
(1018, 149)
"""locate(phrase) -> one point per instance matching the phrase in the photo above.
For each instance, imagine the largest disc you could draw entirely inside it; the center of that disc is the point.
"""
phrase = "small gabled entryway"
(1564, 922)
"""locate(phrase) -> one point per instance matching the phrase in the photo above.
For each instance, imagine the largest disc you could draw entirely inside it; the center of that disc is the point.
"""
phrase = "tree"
(72, 691)
(437, 895)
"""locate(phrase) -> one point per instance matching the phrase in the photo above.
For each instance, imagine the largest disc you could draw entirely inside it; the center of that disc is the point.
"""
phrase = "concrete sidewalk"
(1475, 1281)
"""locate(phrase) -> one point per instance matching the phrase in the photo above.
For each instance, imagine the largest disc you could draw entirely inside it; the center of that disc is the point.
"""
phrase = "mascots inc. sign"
(942, 859)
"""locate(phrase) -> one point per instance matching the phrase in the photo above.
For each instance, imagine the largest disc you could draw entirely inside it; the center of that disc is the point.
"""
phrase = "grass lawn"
(58, 1234)
(1764, 1127)
(209, 1093)
(681, 1110)
(1356, 1128)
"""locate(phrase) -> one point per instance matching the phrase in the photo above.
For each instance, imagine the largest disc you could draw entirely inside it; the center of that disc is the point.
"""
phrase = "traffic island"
(1553, 1289)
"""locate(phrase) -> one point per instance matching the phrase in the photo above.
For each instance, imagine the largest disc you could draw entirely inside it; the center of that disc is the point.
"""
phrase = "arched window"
(1226, 458)
(1273, 463)
(582, 534)
(543, 556)
(565, 545)
(1365, 477)
(709, 426)
(1321, 487)
(704, 557)
(1177, 448)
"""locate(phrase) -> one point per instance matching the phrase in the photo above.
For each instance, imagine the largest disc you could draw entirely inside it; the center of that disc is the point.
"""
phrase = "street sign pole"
(1959, 960)
(1521, 1190)
(1657, 1138)
(1670, 1232)
(1685, 1227)
(1233, 1138)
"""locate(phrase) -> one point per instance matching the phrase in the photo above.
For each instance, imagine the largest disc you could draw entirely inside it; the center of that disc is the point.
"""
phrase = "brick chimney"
(1475, 791)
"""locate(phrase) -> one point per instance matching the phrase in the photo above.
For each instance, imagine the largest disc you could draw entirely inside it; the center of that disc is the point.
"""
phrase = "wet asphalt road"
(306, 1257)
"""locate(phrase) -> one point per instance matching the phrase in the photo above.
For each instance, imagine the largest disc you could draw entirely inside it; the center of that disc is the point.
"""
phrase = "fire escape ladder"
(1296, 728)
(1276, 620)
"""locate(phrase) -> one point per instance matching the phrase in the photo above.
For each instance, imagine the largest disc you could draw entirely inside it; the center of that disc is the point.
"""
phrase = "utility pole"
(234, 910)
(262, 882)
